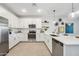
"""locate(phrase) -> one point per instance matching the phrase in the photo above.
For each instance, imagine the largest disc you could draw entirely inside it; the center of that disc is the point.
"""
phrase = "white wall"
(65, 19)
(76, 25)
(51, 20)
(13, 20)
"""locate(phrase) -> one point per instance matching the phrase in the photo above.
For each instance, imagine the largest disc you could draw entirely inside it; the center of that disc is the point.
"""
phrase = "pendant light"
(72, 7)
(54, 13)
(72, 14)
(56, 23)
(54, 17)
(35, 6)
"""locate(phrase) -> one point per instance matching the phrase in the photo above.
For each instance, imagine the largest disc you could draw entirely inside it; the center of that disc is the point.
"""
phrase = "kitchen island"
(65, 46)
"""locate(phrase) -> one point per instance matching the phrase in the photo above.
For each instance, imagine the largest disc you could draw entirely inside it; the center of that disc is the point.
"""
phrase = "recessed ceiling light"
(39, 10)
(24, 10)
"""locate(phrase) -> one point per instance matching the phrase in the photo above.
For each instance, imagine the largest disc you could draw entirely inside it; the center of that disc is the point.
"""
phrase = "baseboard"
(31, 41)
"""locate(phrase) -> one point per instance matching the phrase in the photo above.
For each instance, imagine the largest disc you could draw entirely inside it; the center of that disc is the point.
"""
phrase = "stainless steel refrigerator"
(4, 34)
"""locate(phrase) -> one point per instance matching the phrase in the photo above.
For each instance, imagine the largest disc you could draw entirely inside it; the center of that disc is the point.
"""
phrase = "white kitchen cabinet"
(16, 38)
(13, 40)
(40, 37)
(48, 41)
(46, 38)
(24, 22)
(22, 37)
(12, 19)
(13, 22)
(38, 23)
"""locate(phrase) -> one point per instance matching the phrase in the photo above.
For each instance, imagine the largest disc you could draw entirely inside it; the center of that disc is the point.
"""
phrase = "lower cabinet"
(46, 38)
(57, 48)
(12, 42)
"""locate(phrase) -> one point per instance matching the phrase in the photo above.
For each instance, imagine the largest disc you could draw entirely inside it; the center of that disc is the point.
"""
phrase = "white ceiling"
(62, 9)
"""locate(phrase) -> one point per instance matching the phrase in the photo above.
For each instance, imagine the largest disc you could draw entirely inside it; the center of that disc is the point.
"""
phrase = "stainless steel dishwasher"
(57, 48)
(4, 34)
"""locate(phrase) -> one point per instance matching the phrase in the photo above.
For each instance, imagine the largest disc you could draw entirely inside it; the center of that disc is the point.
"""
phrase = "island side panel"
(71, 50)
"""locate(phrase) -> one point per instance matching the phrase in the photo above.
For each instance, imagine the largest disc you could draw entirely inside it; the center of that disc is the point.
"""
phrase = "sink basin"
(54, 35)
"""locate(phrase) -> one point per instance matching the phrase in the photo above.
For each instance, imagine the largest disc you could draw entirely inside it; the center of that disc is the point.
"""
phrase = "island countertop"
(67, 40)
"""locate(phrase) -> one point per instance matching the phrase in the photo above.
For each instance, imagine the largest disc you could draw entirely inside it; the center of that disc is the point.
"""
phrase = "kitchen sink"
(54, 35)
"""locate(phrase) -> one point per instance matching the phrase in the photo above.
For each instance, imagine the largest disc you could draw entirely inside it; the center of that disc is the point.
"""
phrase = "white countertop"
(67, 40)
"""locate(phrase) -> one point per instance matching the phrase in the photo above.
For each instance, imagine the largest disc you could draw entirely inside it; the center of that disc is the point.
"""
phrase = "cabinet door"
(11, 42)
(48, 41)
(22, 37)
(40, 37)
(20, 24)
(38, 23)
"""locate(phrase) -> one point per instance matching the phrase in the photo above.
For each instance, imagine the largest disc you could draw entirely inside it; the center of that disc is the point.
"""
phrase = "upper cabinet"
(15, 22)
(25, 22)
(12, 19)
(38, 23)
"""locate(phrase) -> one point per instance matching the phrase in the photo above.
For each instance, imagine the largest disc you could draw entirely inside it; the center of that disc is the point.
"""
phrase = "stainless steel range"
(32, 35)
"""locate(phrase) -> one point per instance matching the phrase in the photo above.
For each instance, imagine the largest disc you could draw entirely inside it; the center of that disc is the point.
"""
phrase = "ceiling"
(62, 9)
